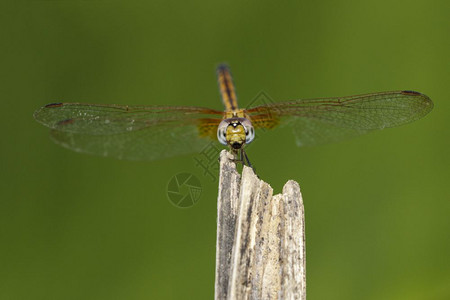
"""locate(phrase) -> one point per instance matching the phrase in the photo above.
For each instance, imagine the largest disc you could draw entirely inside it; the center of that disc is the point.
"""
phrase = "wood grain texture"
(260, 237)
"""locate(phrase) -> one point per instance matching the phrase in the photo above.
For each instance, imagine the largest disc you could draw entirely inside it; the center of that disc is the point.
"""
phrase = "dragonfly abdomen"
(226, 88)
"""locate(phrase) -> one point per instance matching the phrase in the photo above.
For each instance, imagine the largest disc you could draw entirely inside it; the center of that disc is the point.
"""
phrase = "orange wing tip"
(52, 105)
(427, 102)
(412, 93)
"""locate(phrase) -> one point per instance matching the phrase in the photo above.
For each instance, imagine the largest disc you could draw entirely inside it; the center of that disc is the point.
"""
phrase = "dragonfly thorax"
(235, 132)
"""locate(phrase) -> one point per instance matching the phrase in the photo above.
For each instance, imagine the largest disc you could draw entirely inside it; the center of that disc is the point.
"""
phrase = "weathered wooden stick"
(260, 251)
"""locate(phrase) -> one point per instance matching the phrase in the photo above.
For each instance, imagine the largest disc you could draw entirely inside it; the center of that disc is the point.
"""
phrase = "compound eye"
(222, 132)
(249, 134)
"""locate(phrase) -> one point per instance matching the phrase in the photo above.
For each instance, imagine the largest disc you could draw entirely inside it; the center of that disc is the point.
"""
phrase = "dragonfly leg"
(244, 159)
(236, 157)
(241, 157)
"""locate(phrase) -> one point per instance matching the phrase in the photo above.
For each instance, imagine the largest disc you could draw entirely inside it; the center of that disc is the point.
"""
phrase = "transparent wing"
(130, 132)
(317, 121)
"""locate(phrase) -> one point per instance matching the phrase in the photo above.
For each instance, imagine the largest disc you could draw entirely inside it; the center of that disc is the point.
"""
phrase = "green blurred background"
(75, 226)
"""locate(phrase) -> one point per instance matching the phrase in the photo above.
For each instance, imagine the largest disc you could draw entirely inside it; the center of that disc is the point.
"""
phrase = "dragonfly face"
(155, 132)
(235, 132)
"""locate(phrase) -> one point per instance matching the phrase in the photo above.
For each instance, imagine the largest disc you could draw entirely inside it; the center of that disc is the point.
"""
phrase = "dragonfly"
(155, 132)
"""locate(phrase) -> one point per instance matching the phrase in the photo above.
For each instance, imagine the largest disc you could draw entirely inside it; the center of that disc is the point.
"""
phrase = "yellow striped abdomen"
(226, 88)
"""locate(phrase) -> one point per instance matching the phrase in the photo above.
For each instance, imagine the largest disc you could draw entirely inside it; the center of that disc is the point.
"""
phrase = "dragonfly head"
(235, 132)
